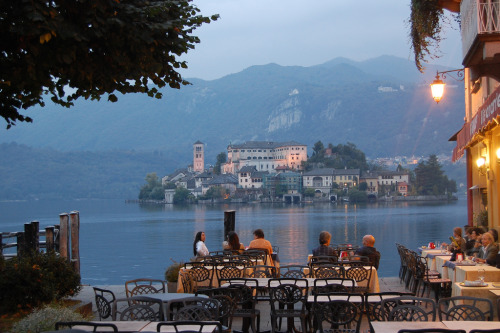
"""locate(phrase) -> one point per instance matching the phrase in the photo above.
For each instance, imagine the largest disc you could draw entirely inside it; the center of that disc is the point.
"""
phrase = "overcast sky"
(304, 33)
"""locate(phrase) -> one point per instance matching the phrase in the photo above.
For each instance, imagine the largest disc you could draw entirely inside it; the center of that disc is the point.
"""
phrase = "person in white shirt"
(199, 247)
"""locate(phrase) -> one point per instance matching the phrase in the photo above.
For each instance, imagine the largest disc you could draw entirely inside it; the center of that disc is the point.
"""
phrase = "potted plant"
(172, 275)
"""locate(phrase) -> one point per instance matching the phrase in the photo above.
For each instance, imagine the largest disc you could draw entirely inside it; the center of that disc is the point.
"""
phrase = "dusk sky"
(292, 32)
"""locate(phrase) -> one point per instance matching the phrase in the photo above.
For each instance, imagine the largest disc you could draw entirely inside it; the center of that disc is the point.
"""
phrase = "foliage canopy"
(72, 49)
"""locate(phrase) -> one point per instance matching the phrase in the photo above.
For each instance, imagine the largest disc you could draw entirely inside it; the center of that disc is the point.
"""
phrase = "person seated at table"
(324, 248)
(457, 234)
(488, 253)
(233, 243)
(494, 232)
(475, 236)
(369, 251)
(199, 247)
(469, 240)
(260, 243)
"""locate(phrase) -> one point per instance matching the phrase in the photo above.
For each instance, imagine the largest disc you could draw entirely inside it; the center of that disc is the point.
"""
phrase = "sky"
(304, 33)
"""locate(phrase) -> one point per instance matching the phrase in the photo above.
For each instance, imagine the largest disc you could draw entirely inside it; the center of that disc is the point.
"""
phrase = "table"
(481, 292)
(470, 325)
(445, 272)
(491, 273)
(395, 326)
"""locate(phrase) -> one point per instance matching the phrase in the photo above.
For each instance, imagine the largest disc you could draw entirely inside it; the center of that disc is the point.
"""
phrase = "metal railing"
(478, 17)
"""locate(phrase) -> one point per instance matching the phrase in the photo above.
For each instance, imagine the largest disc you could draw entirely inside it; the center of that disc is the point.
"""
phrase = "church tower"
(198, 157)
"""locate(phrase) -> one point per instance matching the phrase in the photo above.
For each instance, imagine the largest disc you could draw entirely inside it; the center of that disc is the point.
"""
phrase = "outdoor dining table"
(395, 326)
(168, 298)
(471, 325)
(470, 273)
(144, 326)
(459, 289)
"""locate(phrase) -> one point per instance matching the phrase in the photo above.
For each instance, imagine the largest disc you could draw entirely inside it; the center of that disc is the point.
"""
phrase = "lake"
(120, 241)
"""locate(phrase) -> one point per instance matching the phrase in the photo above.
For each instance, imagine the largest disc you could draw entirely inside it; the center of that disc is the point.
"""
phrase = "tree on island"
(153, 189)
(72, 49)
(342, 156)
(221, 159)
(431, 180)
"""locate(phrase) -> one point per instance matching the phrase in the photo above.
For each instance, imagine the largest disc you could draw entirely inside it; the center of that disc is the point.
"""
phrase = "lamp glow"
(480, 162)
(437, 89)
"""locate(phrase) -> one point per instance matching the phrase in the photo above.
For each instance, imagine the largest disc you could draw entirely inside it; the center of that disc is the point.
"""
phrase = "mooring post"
(229, 221)
(75, 241)
(63, 235)
(20, 244)
(31, 237)
(49, 239)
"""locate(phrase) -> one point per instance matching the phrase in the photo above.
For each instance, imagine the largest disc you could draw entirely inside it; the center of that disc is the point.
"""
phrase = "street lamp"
(437, 86)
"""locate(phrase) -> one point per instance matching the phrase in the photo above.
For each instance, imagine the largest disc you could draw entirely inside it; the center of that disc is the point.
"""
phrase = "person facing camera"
(488, 253)
(324, 248)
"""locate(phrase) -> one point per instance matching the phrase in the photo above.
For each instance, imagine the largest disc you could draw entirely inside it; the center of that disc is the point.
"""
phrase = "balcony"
(481, 37)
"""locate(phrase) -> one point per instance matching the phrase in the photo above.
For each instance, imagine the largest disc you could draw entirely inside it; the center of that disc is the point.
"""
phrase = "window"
(243, 150)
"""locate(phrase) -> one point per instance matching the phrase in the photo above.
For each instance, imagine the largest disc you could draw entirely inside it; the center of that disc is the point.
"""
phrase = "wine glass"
(481, 275)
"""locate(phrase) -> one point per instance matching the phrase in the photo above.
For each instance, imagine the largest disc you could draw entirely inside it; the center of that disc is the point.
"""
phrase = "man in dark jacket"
(369, 251)
(324, 248)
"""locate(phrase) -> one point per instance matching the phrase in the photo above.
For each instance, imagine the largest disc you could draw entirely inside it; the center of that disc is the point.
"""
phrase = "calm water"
(120, 241)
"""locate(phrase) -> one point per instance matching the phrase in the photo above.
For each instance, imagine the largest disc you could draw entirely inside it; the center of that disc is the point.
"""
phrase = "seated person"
(369, 251)
(488, 253)
(199, 247)
(457, 234)
(324, 248)
(475, 238)
(260, 243)
(233, 243)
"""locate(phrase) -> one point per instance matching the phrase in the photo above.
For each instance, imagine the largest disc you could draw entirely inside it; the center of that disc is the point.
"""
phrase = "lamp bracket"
(455, 74)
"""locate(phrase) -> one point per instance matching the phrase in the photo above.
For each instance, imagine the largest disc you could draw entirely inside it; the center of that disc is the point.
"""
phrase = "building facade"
(265, 156)
(478, 141)
(324, 178)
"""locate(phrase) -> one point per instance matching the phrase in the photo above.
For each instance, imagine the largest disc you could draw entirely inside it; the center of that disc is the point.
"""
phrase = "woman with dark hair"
(199, 247)
(233, 243)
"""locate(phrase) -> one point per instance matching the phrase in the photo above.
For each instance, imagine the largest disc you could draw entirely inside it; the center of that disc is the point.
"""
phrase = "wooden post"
(63, 235)
(57, 237)
(229, 221)
(20, 244)
(49, 239)
(1, 244)
(31, 237)
(75, 242)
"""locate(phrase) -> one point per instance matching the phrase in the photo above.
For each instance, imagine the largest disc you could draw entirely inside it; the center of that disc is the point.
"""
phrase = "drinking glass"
(481, 275)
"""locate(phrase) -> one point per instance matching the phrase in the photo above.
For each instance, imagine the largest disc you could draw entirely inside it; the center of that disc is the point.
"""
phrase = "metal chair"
(329, 285)
(341, 315)
(410, 308)
(361, 275)
(256, 255)
(245, 302)
(144, 286)
(320, 270)
(95, 326)
(187, 326)
(103, 300)
(294, 271)
(263, 271)
(288, 301)
(193, 313)
(189, 283)
(323, 259)
(465, 308)
(229, 272)
(137, 308)
(373, 305)
(202, 275)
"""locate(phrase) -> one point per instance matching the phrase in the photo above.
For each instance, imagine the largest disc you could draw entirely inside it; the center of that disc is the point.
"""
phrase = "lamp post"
(437, 86)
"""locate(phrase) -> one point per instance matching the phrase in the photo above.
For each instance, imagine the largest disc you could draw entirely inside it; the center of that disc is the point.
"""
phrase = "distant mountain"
(336, 102)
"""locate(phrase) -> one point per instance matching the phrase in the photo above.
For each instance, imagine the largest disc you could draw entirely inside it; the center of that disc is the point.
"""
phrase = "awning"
(489, 111)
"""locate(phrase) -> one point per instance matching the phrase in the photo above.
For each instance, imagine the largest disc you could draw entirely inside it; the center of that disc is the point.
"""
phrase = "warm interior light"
(498, 155)
(480, 162)
(437, 89)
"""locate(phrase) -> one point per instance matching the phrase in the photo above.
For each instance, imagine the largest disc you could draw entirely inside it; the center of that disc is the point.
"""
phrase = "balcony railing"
(478, 17)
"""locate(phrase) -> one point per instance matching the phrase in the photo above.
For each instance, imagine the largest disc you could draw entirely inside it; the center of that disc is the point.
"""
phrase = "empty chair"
(294, 271)
(362, 275)
(229, 272)
(465, 308)
(319, 270)
(193, 313)
(410, 308)
(137, 308)
(373, 305)
(341, 311)
(109, 327)
(188, 280)
(103, 300)
(245, 302)
(187, 326)
(288, 301)
(329, 285)
(202, 274)
(144, 286)
(264, 271)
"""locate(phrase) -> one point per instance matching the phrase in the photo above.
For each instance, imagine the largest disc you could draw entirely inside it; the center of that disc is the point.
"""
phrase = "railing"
(62, 238)
(478, 17)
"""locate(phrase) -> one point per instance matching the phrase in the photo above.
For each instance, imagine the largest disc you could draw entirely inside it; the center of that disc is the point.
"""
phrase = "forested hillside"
(31, 173)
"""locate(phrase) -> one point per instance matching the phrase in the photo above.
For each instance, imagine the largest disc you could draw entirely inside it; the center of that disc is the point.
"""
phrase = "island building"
(198, 157)
(479, 138)
(265, 156)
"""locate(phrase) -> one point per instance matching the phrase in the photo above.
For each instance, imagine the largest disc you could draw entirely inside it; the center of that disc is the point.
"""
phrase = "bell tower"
(198, 157)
